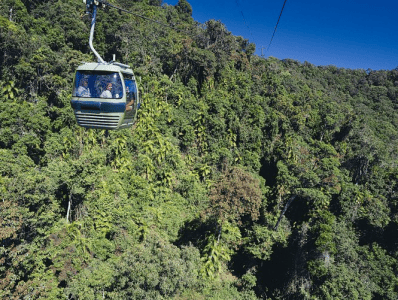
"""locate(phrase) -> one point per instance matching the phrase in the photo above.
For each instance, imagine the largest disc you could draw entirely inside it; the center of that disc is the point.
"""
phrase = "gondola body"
(105, 96)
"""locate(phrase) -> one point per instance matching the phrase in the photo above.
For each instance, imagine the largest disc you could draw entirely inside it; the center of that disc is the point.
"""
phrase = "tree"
(184, 7)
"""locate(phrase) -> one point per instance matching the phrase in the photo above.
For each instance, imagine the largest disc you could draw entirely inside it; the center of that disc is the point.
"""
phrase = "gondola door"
(131, 97)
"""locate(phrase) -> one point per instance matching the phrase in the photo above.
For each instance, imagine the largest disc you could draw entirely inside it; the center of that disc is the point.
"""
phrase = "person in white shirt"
(83, 90)
(107, 93)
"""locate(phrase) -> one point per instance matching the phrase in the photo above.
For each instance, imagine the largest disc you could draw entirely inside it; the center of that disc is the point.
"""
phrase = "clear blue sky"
(355, 34)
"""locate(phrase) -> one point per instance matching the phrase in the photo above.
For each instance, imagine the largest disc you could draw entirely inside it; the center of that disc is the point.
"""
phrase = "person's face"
(85, 83)
(109, 86)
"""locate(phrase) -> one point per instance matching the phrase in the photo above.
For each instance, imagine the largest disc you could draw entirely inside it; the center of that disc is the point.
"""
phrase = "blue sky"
(346, 33)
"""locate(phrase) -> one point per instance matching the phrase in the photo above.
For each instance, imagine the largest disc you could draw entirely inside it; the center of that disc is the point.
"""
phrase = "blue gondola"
(105, 95)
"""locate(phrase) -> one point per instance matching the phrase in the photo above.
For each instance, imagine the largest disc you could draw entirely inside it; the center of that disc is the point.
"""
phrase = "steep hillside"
(243, 178)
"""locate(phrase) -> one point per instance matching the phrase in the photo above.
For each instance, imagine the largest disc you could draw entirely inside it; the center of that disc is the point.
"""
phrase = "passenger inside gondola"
(83, 90)
(89, 84)
(108, 92)
(130, 94)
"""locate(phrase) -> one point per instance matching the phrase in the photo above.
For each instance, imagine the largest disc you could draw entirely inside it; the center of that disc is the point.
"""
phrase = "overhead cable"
(106, 3)
(276, 26)
(244, 20)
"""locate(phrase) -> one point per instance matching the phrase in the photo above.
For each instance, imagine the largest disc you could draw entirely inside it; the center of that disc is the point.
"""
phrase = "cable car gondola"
(105, 95)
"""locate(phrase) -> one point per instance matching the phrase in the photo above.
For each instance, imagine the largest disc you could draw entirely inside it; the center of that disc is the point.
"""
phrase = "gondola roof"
(111, 67)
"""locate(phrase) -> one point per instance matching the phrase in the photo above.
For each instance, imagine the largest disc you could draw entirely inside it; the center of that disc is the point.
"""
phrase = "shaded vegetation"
(243, 178)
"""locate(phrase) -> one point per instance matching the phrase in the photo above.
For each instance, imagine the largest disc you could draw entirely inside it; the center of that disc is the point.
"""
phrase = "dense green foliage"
(243, 178)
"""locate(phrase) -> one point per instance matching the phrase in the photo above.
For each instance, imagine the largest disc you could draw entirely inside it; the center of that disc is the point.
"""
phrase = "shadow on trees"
(390, 237)
(285, 263)
(194, 232)
(269, 171)
(369, 234)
